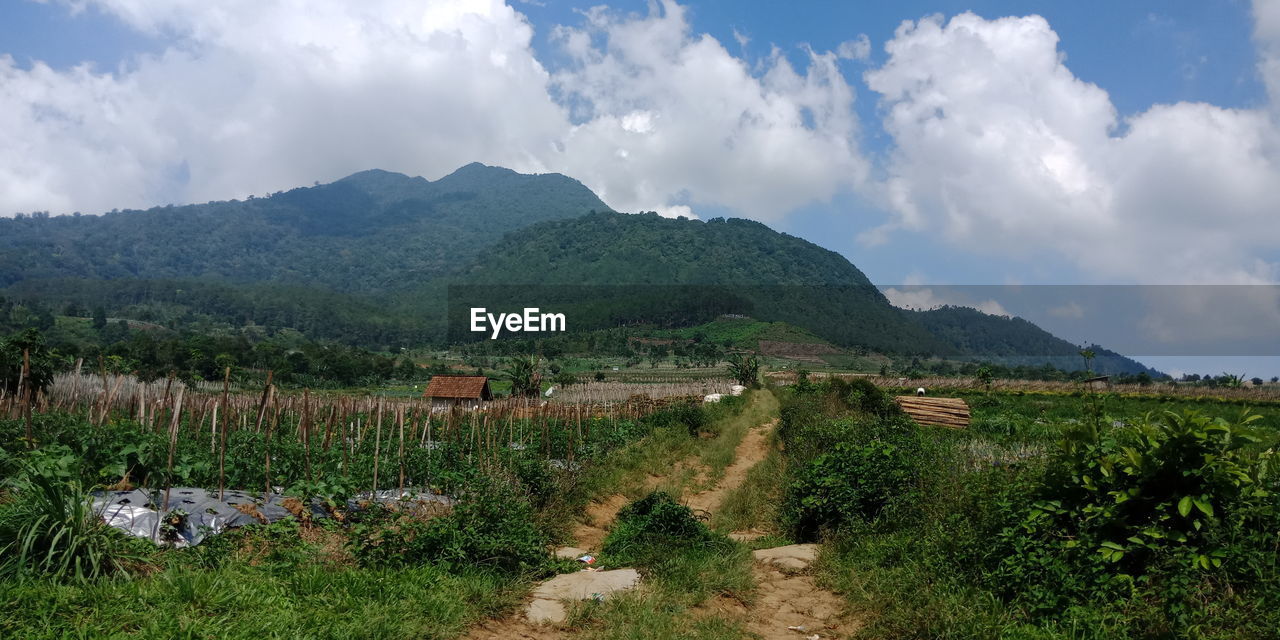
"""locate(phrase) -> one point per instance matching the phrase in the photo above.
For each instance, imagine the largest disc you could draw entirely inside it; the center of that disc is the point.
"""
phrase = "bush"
(491, 526)
(51, 529)
(1160, 505)
(654, 527)
(851, 483)
(686, 415)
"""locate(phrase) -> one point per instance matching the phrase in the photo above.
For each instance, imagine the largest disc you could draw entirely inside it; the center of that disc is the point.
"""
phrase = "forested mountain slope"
(368, 260)
(1015, 341)
(772, 275)
(373, 231)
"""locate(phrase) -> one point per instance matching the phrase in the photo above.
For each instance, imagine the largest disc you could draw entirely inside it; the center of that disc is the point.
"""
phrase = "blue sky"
(1099, 143)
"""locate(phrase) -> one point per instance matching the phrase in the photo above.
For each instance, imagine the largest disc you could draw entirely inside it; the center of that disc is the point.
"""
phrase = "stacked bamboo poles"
(938, 412)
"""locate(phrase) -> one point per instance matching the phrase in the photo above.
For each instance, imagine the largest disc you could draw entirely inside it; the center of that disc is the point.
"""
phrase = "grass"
(717, 454)
(683, 565)
(650, 616)
(628, 470)
(753, 505)
(300, 595)
(51, 530)
(911, 579)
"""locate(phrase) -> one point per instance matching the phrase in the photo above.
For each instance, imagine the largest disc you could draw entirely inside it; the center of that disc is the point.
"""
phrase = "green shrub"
(654, 527)
(51, 529)
(860, 394)
(1157, 506)
(851, 483)
(688, 416)
(492, 526)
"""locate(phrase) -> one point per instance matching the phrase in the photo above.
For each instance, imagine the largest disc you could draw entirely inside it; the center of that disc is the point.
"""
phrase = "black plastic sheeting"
(142, 513)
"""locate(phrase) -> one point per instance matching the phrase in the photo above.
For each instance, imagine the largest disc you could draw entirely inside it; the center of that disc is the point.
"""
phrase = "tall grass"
(52, 529)
(719, 453)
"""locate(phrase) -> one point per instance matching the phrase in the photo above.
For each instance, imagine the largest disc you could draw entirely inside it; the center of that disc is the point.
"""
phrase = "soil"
(514, 627)
(784, 599)
(590, 534)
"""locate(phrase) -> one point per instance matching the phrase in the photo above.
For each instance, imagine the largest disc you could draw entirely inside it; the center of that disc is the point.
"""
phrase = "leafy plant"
(1172, 493)
(52, 529)
(491, 526)
(745, 369)
(851, 483)
(654, 526)
(526, 379)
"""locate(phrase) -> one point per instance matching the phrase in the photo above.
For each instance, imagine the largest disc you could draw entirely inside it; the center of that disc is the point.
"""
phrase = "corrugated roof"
(459, 387)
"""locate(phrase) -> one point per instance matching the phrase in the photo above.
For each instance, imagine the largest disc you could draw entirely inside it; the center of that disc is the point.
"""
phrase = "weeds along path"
(752, 449)
(788, 604)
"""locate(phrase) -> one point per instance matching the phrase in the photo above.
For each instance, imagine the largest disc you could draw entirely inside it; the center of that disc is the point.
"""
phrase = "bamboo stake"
(173, 445)
(24, 387)
(305, 425)
(262, 409)
(400, 419)
(377, 448)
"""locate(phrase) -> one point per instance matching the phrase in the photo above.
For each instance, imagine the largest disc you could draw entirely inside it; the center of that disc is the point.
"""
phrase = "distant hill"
(1014, 341)
(368, 260)
(373, 231)
(774, 277)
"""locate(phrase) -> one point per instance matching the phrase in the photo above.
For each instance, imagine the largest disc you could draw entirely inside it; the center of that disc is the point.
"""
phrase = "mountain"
(1014, 341)
(373, 231)
(631, 261)
(371, 260)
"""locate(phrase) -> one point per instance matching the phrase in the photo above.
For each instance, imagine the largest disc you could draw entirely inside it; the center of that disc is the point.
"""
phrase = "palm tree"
(526, 379)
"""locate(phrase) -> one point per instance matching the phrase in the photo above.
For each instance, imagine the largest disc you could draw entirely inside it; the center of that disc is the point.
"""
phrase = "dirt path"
(590, 534)
(753, 448)
(788, 604)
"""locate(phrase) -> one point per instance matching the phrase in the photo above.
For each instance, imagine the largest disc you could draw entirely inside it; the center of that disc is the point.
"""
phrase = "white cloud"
(676, 211)
(254, 97)
(1070, 310)
(663, 113)
(1266, 20)
(918, 298)
(857, 49)
(1001, 149)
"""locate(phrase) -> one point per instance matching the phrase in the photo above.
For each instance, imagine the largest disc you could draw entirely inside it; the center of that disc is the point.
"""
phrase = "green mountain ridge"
(368, 260)
(1014, 341)
(372, 231)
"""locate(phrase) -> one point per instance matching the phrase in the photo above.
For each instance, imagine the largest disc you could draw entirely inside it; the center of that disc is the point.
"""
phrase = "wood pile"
(938, 412)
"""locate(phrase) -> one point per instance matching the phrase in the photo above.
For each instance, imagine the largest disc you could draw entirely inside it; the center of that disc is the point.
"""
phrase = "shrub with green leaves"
(655, 526)
(492, 526)
(852, 483)
(1146, 504)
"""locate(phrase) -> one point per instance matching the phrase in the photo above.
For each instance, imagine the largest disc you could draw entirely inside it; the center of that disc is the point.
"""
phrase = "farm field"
(910, 523)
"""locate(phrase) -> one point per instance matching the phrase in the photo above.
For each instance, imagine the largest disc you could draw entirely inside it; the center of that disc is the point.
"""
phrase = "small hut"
(1099, 383)
(465, 392)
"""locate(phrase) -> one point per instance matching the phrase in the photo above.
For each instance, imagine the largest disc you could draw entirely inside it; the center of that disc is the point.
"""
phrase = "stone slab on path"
(570, 553)
(549, 597)
(793, 557)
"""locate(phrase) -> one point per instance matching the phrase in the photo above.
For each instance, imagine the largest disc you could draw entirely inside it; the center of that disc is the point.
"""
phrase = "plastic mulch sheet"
(142, 513)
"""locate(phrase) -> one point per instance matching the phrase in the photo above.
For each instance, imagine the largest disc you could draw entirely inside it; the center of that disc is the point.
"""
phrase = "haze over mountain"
(367, 260)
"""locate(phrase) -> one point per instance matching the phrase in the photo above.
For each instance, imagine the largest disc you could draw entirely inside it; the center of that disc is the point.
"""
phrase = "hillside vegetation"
(369, 260)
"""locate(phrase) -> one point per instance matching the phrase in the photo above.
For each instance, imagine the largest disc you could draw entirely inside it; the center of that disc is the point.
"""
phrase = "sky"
(943, 143)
